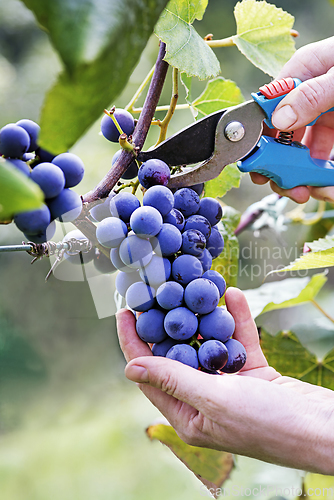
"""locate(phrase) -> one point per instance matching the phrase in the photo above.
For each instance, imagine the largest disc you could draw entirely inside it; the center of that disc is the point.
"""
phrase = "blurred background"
(71, 425)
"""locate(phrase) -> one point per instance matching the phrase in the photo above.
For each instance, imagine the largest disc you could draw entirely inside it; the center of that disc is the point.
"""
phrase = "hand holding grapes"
(314, 65)
(257, 413)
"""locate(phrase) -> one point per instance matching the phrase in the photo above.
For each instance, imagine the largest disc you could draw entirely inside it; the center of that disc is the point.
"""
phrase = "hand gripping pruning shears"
(235, 135)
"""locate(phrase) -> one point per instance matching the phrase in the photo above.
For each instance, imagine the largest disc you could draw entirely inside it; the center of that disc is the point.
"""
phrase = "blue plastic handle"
(288, 165)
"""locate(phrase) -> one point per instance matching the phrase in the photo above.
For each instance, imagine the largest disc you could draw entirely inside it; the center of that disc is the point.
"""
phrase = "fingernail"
(284, 118)
(137, 373)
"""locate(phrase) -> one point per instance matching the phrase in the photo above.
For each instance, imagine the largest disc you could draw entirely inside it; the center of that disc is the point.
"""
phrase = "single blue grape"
(161, 348)
(43, 236)
(103, 263)
(218, 280)
(176, 218)
(146, 221)
(125, 121)
(50, 179)
(150, 326)
(34, 221)
(102, 210)
(123, 205)
(201, 296)
(168, 241)
(72, 166)
(186, 268)
(19, 165)
(215, 243)
(213, 355)
(185, 354)
(111, 232)
(187, 201)
(170, 295)
(140, 297)
(193, 242)
(180, 323)
(156, 272)
(211, 209)
(14, 141)
(154, 172)
(74, 257)
(33, 130)
(67, 206)
(135, 252)
(159, 197)
(217, 325)
(125, 280)
(118, 263)
(205, 259)
(200, 223)
(131, 172)
(236, 356)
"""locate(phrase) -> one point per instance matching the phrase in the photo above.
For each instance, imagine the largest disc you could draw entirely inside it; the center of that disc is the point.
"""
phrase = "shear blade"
(192, 144)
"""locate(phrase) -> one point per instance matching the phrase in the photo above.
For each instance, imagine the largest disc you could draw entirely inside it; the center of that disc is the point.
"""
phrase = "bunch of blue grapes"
(163, 252)
(55, 175)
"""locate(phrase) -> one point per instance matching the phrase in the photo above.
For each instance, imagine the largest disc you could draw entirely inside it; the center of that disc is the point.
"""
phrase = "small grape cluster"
(55, 175)
(163, 250)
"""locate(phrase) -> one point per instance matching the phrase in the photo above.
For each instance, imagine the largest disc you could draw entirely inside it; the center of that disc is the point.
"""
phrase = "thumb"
(305, 103)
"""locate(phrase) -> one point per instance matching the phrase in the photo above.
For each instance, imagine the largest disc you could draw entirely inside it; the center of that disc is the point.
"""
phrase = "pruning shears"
(233, 135)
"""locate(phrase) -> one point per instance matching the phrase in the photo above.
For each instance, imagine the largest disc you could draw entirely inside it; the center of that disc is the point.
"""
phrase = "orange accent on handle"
(277, 88)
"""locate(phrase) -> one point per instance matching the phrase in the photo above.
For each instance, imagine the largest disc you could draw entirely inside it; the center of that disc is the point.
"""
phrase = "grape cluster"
(163, 250)
(55, 175)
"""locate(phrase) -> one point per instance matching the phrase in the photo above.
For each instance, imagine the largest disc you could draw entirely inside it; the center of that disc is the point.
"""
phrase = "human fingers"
(131, 345)
(299, 194)
(258, 178)
(320, 137)
(310, 61)
(305, 103)
(245, 328)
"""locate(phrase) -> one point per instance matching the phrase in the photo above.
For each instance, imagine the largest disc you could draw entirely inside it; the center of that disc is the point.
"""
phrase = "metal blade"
(192, 144)
(251, 116)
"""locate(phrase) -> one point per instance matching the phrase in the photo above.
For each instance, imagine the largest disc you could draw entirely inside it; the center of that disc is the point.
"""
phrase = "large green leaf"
(287, 355)
(227, 264)
(212, 467)
(17, 192)
(321, 244)
(218, 94)
(186, 50)
(100, 43)
(263, 34)
(287, 293)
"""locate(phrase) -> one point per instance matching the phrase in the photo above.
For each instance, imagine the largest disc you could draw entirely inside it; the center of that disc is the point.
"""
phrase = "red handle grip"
(277, 88)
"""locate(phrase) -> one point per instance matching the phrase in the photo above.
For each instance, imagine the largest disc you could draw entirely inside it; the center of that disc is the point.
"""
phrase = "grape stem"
(130, 106)
(175, 95)
(322, 310)
(115, 173)
(230, 41)
(114, 119)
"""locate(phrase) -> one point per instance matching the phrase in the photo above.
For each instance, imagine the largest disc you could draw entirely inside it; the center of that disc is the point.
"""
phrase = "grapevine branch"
(115, 173)
(104, 187)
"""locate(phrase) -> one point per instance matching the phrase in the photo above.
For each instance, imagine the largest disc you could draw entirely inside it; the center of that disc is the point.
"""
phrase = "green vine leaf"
(17, 192)
(218, 94)
(321, 244)
(100, 44)
(263, 34)
(288, 356)
(286, 293)
(186, 50)
(227, 264)
(229, 178)
(212, 467)
(310, 260)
